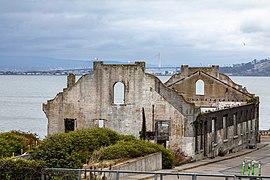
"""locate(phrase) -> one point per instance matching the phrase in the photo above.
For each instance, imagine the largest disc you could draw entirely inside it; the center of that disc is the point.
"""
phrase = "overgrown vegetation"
(32, 137)
(133, 149)
(221, 152)
(180, 158)
(15, 169)
(252, 100)
(15, 142)
(73, 149)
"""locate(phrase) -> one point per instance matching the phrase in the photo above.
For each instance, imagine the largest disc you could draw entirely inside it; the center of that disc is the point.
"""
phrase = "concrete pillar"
(70, 80)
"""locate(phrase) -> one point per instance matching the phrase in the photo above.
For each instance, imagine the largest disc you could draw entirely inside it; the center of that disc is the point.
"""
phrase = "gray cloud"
(206, 31)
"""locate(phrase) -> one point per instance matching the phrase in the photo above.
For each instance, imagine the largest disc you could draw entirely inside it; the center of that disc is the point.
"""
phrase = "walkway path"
(229, 164)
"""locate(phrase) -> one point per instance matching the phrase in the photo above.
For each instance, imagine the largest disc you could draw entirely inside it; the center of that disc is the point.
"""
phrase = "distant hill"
(253, 68)
(17, 63)
(22, 64)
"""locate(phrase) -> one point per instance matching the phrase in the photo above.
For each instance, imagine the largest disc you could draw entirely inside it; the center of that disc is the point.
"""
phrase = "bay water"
(21, 99)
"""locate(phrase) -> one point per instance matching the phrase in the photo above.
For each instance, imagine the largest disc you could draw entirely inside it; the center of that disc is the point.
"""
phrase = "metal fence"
(91, 174)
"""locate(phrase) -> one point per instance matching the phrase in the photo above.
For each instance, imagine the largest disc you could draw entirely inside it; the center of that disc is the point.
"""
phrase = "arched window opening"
(200, 87)
(119, 93)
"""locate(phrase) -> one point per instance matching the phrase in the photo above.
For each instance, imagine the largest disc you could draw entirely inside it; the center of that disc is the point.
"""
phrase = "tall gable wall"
(91, 99)
(218, 88)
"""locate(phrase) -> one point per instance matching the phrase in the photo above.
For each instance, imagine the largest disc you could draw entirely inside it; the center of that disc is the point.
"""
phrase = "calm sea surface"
(21, 99)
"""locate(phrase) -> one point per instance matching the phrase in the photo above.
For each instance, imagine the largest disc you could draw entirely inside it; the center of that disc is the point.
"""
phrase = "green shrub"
(133, 149)
(11, 143)
(73, 149)
(32, 137)
(15, 141)
(126, 137)
(12, 169)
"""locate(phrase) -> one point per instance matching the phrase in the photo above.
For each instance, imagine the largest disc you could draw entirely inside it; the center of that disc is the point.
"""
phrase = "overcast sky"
(195, 32)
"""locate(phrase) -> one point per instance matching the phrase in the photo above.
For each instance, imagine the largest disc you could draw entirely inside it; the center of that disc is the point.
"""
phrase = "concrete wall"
(218, 88)
(241, 126)
(91, 99)
(151, 162)
(225, 99)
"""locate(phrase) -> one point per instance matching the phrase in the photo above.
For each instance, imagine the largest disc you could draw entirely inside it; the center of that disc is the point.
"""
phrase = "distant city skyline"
(182, 32)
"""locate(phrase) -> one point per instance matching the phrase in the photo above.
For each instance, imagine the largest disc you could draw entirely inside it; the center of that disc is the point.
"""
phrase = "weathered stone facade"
(91, 99)
(171, 110)
(225, 131)
(219, 89)
(230, 121)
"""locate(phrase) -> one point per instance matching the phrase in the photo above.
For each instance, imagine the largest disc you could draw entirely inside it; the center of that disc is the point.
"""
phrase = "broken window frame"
(162, 131)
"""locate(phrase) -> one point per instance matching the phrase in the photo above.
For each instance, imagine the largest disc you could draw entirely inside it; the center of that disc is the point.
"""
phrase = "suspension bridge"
(165, 70)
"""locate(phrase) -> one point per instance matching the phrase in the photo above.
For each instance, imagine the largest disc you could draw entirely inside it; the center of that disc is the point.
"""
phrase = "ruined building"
(199, 112)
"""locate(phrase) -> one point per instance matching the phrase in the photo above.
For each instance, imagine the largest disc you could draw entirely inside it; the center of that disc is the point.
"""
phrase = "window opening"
(101, 123)
(225, 129)
(119, 93)
(200, 87)
(235, 124)
(241, 130)
(196, 138)
(201, 134)
(214, 130)
(162, 130)
(69, 125)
